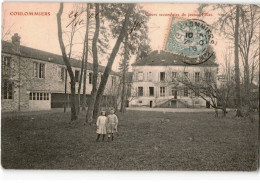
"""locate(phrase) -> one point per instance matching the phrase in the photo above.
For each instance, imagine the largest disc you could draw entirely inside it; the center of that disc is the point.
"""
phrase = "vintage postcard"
(117, 86)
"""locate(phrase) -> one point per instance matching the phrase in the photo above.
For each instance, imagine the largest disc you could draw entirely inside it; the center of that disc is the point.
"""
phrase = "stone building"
(157, 81)
(35, 80)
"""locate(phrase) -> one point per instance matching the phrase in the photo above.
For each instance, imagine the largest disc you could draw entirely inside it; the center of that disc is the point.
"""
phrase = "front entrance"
(151, 104)
(174, 92)
(174, 103)
(207, 104)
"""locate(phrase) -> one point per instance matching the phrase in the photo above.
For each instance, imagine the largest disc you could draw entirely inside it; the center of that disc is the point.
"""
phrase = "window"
(208, 76)
(33, 96)
(186, 92)
(186, 74)
(7, 89)
(150, 76)
(162, 91)
(174, 91)
(140, 76)
(207, 92)
(197, 92)
(197, 77)
(39, 96)
(61, 73)
(6, 66)
(162, 76)
(140, 91)
(38, 70)
(174, 76)
(151, 91)
(76, 76)
(90, 77)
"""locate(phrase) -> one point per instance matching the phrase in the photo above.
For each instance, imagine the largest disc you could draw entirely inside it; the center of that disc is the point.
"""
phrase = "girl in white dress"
(101, 125)
(112, 122)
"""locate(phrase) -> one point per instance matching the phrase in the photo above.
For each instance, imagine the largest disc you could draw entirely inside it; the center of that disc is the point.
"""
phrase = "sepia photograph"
(130, 86)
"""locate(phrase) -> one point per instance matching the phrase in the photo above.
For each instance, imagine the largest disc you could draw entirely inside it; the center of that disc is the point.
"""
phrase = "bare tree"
(66, 59)
(228, 23)
(124, 71)
(237, 72)
(95, 68)
(86, 58)
(249, 21)
(207, 88)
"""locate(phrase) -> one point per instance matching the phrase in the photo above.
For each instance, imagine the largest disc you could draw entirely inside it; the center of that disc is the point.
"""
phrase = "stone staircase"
(166, 103)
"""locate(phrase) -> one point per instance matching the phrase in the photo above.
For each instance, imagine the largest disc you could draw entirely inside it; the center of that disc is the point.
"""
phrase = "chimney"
(16, 42)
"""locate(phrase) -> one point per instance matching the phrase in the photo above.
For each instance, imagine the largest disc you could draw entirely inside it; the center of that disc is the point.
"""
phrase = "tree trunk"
(123, 96)
(216, 112)
(65, 92)
(111, 61)
(73, 101)
(81, 76)
(237, 74)
(89, 117)
(86, 62)
(247, 86)
(67, 63)
(224, 110)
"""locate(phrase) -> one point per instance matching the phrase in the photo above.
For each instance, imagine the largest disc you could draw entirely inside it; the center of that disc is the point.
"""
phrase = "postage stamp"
(190, 38)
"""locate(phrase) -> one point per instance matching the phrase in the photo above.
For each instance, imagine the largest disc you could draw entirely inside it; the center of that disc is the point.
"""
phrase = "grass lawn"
(187, 141)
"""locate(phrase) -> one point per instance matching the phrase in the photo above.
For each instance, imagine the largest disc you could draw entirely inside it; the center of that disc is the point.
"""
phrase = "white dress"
(101, 125)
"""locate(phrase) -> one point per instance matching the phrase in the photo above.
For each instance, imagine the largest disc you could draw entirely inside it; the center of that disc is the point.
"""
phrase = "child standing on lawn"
(112, 122)
(101, 125)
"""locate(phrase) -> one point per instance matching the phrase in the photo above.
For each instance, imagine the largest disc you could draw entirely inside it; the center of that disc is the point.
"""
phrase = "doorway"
(151, 104)
(174, 103)
(207, 104)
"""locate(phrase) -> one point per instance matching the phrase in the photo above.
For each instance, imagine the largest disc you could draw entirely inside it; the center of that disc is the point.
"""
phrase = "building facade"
(36, 80)
(159, 81)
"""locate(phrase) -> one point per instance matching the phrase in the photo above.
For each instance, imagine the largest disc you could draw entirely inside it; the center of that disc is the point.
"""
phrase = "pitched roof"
(168, 59)
(7, 47)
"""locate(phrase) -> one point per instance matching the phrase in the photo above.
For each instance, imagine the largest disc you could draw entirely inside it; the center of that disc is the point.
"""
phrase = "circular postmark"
(190, 38)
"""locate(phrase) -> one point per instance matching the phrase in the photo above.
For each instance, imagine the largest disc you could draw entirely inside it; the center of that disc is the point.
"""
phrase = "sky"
(40, 32)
